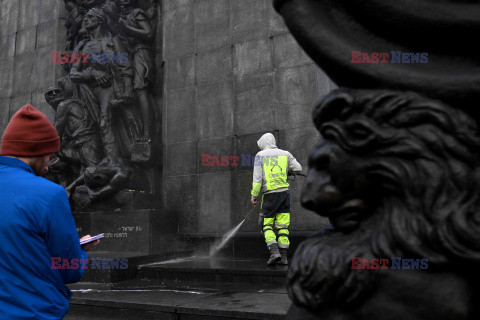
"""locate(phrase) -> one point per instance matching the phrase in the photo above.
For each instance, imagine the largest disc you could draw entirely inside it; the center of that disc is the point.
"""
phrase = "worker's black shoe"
(274, 254)
(283, 261)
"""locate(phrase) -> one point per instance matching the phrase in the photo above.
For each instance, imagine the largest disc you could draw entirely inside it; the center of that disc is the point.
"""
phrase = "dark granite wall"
(29, 31)
(232, 73)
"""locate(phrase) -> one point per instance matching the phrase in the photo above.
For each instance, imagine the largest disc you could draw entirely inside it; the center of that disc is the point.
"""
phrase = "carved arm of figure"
(145, 31)
(89, 74)
(121, 176)
(102, 78)
(79, 181)
(77, 75)
(62, 118)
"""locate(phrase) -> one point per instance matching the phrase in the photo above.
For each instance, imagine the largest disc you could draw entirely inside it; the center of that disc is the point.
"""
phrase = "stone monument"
(396, 170)
(108, 124)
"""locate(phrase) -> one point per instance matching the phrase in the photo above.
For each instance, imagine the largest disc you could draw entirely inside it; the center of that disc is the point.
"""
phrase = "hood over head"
(267, 141)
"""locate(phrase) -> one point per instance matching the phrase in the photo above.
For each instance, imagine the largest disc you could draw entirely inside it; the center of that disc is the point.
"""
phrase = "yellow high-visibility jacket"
(271, 167)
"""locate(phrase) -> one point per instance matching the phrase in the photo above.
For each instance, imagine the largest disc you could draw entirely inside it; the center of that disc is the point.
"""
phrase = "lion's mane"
(422, 158)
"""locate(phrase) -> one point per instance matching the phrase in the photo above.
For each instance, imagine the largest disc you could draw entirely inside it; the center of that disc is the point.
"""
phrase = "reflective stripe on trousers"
(281, 222)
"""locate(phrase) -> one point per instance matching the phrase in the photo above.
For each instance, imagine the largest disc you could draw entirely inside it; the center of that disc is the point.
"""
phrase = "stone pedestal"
(144, 231)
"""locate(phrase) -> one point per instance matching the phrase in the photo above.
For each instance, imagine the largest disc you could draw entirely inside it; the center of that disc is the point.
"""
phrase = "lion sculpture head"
(398, 176)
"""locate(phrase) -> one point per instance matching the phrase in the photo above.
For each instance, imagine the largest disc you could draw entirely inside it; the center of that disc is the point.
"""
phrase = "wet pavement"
(220, 270)
(197, 288)
(254, 266)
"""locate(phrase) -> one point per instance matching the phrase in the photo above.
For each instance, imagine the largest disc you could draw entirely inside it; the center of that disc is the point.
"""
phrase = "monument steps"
(234, 284)
(217, 289)
(108, 273)
(206, 269)
(246, 246)
(177, 305)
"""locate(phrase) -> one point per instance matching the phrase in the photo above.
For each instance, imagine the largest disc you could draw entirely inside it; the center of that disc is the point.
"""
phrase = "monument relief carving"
(105, 114)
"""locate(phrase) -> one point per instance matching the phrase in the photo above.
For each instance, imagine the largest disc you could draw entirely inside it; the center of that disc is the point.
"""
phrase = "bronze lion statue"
(398, 176)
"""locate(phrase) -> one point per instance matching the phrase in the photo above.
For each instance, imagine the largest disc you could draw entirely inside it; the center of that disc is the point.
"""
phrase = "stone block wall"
(29, 31)
(232, 72)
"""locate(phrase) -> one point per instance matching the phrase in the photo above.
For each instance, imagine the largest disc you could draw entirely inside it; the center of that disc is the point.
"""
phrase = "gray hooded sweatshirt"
(269, 152)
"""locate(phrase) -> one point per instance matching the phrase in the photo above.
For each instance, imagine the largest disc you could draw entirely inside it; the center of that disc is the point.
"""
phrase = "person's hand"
(102, 78)
(89, 246)
(254, 201)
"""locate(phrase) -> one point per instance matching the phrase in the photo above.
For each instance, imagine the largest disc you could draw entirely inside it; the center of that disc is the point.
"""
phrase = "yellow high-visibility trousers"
(275, 230)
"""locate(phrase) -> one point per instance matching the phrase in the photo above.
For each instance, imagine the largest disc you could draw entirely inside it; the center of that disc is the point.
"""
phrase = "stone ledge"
(162, 303)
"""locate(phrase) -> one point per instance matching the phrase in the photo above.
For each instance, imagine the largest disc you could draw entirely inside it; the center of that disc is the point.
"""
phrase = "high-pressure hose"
(250, 212)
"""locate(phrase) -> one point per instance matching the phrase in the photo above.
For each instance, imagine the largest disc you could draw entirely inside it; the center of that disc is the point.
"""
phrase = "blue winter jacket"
(36, 224)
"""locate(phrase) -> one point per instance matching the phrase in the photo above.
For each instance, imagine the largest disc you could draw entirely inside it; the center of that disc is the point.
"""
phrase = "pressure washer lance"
(261, 216)
(250, 212)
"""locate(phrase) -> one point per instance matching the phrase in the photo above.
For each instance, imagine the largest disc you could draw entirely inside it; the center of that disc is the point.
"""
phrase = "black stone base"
(124, 231)
(143, 232)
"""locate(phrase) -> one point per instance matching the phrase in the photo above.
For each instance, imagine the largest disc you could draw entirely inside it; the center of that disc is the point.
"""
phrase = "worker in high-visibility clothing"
(271, 167)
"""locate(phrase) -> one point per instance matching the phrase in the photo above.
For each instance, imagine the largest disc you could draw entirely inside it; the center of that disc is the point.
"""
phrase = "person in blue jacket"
(36, 224)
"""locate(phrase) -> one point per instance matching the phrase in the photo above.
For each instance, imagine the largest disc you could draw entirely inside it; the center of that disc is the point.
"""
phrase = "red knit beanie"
(29, 133)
